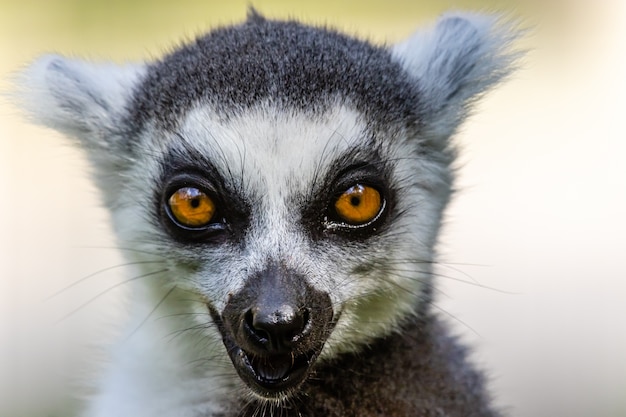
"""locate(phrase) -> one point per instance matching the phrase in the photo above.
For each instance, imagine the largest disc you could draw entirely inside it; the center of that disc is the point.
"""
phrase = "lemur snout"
(277, 312)
(274, 328)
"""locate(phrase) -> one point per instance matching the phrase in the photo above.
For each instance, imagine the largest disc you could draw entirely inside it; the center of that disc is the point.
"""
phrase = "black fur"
(420, 372)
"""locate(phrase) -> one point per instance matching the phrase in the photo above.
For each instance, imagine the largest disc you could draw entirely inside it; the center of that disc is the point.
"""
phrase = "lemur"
(279, 189)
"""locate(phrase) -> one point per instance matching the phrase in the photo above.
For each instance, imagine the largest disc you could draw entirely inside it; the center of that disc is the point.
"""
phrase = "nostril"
(276, 329)
(259, 335)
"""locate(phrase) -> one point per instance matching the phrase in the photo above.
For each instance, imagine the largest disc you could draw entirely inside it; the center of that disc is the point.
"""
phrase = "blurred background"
(533, 247)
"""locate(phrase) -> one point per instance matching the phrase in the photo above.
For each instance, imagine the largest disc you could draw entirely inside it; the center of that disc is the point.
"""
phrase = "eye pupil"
(195, 203)
(355, 201)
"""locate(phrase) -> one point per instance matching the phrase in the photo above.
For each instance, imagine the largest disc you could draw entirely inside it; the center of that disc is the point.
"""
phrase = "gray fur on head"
(288, 64)
(284, 303)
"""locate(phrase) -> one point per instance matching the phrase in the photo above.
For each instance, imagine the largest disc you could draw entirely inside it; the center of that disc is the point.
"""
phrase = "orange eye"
(191, 207)
(359, 204)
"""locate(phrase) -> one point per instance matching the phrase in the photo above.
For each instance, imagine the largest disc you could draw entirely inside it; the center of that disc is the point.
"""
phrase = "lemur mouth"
(268, 375)
(272, 375)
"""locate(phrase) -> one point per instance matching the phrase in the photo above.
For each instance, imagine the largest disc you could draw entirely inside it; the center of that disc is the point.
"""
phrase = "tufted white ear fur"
(83, 100)
(453, 63)
(87, 102)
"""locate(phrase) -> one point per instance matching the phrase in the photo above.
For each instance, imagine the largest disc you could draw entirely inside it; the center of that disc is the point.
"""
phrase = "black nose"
(275, 328)
(275, 317)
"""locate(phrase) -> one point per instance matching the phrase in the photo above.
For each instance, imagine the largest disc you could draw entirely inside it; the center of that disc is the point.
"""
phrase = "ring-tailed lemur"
(279, 188)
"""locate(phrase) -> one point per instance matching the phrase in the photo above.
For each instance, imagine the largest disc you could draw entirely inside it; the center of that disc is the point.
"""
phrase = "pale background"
(540, 218)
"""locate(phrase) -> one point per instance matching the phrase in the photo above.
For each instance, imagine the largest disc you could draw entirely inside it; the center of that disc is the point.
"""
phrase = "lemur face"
(304, 235)
(291, 178)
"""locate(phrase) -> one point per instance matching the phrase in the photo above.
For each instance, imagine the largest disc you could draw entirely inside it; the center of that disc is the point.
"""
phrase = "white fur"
(86, 102)
(78, 98)
(455, 62)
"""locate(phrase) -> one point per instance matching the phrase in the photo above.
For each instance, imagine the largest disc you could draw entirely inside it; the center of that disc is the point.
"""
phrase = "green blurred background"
(541, 211)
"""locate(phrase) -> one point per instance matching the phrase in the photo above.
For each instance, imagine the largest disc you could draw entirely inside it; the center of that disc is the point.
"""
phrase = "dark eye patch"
(185, 171)
(323, 217)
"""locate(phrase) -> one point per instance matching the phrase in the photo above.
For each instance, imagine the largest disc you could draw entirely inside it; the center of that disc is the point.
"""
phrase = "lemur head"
(293, 178)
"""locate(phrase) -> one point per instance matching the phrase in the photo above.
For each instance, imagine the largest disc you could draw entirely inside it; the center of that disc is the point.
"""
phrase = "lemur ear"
(453, 63)
(83, 100)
